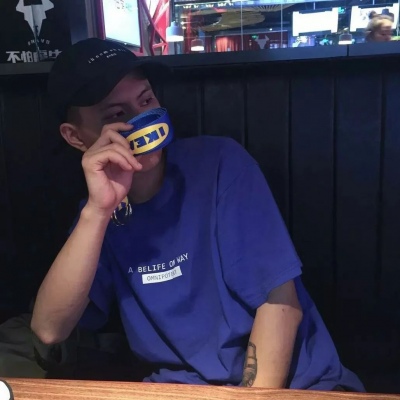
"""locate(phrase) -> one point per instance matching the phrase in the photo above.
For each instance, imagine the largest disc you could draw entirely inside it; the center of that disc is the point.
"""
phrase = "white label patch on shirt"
(162, 276)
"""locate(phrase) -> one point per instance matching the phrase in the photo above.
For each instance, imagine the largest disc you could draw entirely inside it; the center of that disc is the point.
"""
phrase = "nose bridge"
(133, 108)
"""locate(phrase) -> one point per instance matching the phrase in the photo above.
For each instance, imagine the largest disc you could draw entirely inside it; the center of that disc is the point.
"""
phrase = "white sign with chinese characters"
(36, 31)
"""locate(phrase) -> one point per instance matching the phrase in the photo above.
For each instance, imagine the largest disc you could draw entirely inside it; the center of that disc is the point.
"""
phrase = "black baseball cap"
(86, 72)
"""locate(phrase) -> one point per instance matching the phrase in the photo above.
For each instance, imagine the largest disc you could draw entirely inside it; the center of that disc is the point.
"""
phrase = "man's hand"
(108, 166)
(270, 348)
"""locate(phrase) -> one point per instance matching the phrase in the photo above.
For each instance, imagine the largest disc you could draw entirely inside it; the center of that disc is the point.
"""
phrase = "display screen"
(121, 21)
(360, 16)
(315, 21)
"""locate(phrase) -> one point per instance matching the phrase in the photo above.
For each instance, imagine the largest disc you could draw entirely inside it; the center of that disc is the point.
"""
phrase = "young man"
(225, 303)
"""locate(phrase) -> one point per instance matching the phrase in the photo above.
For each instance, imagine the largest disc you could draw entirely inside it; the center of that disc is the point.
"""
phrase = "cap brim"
(94, 93)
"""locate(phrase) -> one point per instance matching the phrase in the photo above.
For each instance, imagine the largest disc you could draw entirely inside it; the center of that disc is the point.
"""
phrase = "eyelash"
(121, 113)
(147, 101)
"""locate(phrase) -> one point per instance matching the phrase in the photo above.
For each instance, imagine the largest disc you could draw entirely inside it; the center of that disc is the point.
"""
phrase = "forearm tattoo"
(250, 366)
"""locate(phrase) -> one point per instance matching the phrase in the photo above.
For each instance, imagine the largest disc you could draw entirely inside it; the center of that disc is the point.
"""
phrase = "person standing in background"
(379, 28)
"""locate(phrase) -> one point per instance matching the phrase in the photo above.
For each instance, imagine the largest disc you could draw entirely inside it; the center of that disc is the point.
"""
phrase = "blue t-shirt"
(194, 263)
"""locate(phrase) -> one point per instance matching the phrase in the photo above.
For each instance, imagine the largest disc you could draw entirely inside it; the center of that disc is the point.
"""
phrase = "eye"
(116, 115)
(146, 102)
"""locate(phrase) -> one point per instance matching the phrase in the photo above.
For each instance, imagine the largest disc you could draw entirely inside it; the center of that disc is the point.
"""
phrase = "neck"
(145, 185)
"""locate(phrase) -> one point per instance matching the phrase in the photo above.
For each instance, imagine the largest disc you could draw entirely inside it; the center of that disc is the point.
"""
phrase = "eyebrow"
(145, 89)
(117, 104)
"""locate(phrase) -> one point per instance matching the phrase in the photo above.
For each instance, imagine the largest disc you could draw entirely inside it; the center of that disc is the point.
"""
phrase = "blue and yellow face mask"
(152, 131)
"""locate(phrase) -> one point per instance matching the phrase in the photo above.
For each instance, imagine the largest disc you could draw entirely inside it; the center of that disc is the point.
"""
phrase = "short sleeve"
(101, 293)
(256, 251)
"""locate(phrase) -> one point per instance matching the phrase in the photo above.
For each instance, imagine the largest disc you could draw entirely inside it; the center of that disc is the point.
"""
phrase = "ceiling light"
(174, 33)
(197, 45)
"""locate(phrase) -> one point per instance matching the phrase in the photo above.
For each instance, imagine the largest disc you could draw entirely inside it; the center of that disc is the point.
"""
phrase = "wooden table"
(38, 389)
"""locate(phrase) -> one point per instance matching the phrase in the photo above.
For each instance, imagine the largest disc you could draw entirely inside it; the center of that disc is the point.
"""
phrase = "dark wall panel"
(24, 164)
(184, 99)
(358, 144)
(360, 317)
(268, 132)
(312, 169)
(390, 267)
(223, 107)
(7, 238)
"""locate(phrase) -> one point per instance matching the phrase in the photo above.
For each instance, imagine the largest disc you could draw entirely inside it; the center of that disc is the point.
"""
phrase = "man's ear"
(71, 135)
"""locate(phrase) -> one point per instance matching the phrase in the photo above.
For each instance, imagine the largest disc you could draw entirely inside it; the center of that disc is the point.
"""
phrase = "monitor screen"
(360, 15)
(315, 21)
(121, 21)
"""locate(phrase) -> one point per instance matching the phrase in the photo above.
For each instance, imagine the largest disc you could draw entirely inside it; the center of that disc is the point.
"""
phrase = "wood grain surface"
(38, 389)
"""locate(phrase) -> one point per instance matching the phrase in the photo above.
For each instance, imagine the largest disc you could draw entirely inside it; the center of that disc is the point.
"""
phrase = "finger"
(118, 127)
(110, 134)
(127, 153)
(102, 159)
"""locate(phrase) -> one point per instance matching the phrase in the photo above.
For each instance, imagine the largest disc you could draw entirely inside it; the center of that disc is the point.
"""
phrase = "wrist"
(93, 214)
